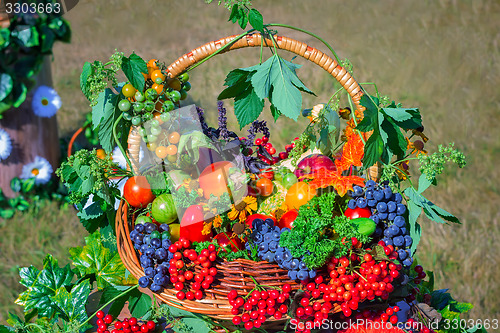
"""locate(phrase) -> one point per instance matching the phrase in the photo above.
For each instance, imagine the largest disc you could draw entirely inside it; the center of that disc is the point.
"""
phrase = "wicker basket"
(236, 274)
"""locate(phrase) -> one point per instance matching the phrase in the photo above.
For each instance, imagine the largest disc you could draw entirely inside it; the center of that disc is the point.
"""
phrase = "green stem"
(115, 136)
(309, 33)
(220, 50)
(108, 303)
(34, 325)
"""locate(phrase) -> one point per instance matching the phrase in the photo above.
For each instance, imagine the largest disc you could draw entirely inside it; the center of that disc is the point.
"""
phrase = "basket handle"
(253, 40)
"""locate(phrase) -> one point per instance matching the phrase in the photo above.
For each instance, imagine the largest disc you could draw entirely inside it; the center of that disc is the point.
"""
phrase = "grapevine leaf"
(235, 13)
(95, 258)
(440, 299)
(373, 150)
(6, 329)
(27, 36)
(352, 153)
(399, 114)
(396, 142)
(195, 322)
(111, 292)
(133, 67)
(86, 72)
(461, 307)
(139, 304)
(243, 18)
(424, 183)
(256, 20)
(247, 107)
(238, 80)
(42, 285)
(6, 85)
(71, 305)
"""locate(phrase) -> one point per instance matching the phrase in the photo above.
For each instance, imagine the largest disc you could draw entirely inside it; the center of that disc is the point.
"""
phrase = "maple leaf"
(352, 153)
(323, 178)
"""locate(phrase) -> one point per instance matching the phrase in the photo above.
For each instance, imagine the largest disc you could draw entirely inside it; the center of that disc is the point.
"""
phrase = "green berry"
(127, 116)
(124, 105)
(174, 96)
(139, 96)
(186, 86)
(158, 80)
(184, 94)
(149, 106)
(136, 121)
(165, 116)
(168, 106)
(152, 138)
(151, 94)
(147, 117)
(184, 77)
(138, 106)
(154, 123)
(155, 130)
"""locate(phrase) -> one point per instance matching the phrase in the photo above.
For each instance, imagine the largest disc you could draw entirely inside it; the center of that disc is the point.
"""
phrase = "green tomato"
(289, 179)
(124, 105)
(165, 116)
(136, 121)
(158, 80)
(143, 219)
(184, 77)
(174, 96)
(147, 117)
(186, 86)
(163, 208)
(142, 132)
(184, 94)
(139, 96)
(155, 234)
(168, 106)
(127, 116)
(151, 94)
(149, 106)
(154, 123)
(138, 106)
(152, 138)
(155, 130)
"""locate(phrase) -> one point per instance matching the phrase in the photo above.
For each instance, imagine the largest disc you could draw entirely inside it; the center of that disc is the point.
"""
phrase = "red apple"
(312, 163)
(192, 225)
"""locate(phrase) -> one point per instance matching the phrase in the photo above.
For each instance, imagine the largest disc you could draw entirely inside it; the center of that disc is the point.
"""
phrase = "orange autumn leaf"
(323, 178)
(352, 153)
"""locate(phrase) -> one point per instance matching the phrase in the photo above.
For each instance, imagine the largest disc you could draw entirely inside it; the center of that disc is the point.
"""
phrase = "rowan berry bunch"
(127, 325)
(190, 272)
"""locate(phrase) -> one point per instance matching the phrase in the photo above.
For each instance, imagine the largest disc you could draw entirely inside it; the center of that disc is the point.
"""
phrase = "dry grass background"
(442, 56)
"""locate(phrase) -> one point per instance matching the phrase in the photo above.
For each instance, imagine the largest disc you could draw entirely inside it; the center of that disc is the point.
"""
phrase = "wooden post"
(31, 135)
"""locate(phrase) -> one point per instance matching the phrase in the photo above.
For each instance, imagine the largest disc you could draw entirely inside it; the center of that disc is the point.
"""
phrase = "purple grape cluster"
(266, 237)
(388, 211)
(153, 244)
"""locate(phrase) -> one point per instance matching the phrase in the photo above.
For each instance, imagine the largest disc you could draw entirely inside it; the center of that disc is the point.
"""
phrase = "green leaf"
(86, 72)
(440, 299)
(243, 18)
(256, 20)
(277, 80)
(371, 105)
(6, 85)
(139, 305)
(42, 285)
(27, 36)
(19, 94)
(461, 307)
(424, 183)
(48, 38)
(237, 81)
(15, 184)
(7, 213)
(28, 184)
(396, 142)
(373, 150)
(104, 115)
(365, 125)
(235, 13)
(71, 305)
(247, 107)
(95, 258)
(399, 114)
(195, 322)
(6, 329)
(133, 67)
(414, 212)
(111, 292)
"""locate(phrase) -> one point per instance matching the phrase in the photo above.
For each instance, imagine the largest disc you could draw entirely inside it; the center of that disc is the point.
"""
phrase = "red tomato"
(137, 192)
(264, 187)
(358, 212)
(213, 180)
(266, 173)
(225, 243)
(192, 225)
(286, 221)
(258, 216)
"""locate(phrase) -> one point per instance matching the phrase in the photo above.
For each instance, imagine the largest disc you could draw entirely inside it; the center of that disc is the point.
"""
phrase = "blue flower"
(46, 102)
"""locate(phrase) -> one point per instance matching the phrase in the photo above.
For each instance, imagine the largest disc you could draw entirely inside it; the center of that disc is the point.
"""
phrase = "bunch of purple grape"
(388, 211)
(266, 237)
(153, 244)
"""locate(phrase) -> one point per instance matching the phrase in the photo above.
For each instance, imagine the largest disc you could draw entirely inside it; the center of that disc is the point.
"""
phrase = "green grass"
(442, 56)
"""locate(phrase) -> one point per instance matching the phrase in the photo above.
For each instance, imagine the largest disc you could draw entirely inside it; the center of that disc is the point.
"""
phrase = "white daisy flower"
(119, 159)
(5, 145)
(45, 102)
(40, 169)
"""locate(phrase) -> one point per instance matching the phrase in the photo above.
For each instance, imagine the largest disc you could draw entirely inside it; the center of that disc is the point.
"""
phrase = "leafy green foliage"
(275, 79)
(387, 123)
(95, 258)
(186, 322)
(317, 234)
(71, 304)
(433, 165)
(133, 67)
(23, 46)
(85, 174)
(43, 285)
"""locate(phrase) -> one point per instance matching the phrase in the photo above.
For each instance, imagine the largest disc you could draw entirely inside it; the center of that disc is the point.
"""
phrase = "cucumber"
(365, 226)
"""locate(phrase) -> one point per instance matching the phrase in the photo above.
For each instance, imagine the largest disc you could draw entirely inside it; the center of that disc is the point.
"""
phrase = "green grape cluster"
(433, 164)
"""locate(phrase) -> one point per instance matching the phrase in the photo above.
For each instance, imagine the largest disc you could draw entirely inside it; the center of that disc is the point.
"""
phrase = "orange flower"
(247, 206)
(323, 178)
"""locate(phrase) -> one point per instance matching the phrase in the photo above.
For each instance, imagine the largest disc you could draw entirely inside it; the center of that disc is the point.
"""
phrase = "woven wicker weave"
(236, 274)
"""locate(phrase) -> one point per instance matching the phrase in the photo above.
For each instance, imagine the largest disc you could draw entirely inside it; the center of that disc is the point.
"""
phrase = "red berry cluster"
(268, 146)
(127, 325)
(373, 279)
(314, 306)
(256, 307)
(417, 279)
(389, 315)
(184, 269)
